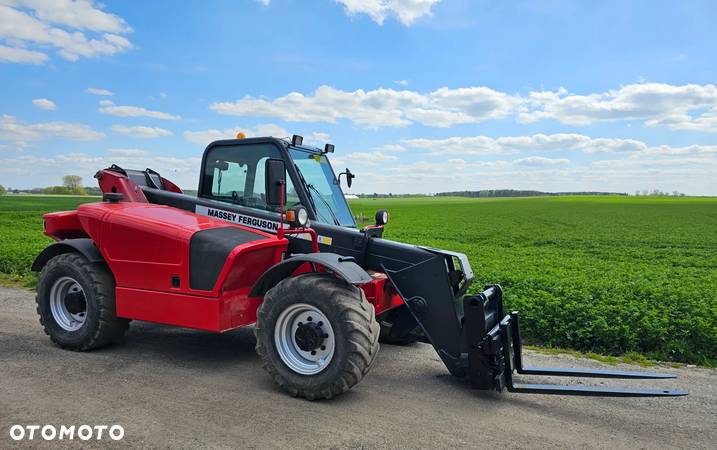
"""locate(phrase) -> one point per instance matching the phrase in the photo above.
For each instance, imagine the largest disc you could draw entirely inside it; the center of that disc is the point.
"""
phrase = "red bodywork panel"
(147, 248)
(381, 293)
(147, 245)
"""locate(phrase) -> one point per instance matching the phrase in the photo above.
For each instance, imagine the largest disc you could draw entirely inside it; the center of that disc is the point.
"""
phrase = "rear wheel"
(316, 335)
(76, 303)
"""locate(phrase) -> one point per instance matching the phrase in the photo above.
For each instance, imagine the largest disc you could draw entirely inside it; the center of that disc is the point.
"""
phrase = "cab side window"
(292, 198)
(236, 174)
(229, 179)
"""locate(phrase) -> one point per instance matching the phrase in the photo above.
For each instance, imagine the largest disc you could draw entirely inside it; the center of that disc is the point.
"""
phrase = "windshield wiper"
(328, 206)
(311, 197)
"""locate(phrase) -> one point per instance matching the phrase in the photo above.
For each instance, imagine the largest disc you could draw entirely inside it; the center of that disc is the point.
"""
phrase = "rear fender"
(86, 247)
(344, 267)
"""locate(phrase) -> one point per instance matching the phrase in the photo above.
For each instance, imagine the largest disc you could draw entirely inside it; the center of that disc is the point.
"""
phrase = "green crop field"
(607, 274)
(21, 237)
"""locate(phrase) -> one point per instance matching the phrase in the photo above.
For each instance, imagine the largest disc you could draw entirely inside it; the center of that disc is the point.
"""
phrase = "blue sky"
(417, 95)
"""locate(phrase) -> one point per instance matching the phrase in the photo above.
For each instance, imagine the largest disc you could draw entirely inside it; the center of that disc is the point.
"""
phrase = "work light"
(297, 216)
(381, 217)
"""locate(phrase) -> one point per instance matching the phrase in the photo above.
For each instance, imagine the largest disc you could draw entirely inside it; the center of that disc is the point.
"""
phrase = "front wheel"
(316, 335)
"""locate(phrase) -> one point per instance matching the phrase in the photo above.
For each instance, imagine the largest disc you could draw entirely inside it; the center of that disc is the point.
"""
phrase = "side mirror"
(349, 177)
(275, 179)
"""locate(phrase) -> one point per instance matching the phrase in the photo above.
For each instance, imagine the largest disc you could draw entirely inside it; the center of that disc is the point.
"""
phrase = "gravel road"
(180, 388)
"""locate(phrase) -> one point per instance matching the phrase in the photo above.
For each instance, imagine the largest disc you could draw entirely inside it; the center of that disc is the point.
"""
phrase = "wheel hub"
(304, 339)
(309, 336)
(68, 304)
(75, 302)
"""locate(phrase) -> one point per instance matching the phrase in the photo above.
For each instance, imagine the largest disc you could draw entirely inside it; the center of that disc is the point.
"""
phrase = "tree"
(73, 184)
(2, 190)
(56, 190)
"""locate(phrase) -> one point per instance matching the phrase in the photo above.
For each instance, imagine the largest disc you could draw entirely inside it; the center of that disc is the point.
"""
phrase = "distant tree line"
(517, 193)
(390, 195)
(659, 193)
(71, 185)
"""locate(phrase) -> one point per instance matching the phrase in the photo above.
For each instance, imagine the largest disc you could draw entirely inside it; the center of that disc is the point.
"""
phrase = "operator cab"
(233, 172)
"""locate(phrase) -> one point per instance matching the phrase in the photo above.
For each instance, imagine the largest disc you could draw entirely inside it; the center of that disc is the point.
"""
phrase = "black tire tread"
(111, 328)
(362, 337)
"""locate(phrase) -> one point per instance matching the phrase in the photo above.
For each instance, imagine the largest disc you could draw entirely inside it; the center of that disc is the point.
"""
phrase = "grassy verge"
(628, 358)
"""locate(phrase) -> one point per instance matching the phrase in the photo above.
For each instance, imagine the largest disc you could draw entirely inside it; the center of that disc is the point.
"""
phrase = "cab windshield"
(322, 188)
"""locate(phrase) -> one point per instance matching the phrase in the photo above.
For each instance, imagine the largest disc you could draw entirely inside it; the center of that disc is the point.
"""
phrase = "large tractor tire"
(76, 303)
(316, 335)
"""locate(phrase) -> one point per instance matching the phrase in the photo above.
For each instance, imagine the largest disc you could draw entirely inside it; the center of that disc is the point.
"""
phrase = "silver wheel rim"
(64, 292)
(285, 332)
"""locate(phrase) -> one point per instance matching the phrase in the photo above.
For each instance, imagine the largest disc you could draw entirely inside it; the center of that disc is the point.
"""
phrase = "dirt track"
(180, 388)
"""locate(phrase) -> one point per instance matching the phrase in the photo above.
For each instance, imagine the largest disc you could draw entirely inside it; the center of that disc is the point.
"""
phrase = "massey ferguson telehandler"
(270, 241)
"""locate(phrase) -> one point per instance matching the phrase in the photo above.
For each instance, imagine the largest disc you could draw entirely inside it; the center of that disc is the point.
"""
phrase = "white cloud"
(61, 24)
(20, 55)
(402, 82)
(686, 150)
(127, 152)
(370, 158)
(443, 107)
(80, 14)
(690, 175)
(484, 145)
(141, 131)
(44, 103)
(204, 137)
(317, 139)
(686, 107)
(27, 171)
(638, 162)
(540, 161)
(405, 11)
(12, 129)
(320, 136)
(395, 148)
(108, 107)
(267, 129)
(690, 169)
(98, 91)
(264, 2)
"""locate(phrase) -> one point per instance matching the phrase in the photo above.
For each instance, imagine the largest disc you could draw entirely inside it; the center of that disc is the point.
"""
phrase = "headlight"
(297, 216)
(381, 217)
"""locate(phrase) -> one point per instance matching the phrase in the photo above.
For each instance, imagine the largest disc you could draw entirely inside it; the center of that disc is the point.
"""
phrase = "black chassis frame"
(471, 334)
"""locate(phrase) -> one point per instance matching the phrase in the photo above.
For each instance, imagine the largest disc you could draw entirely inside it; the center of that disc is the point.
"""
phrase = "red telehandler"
(269, 240)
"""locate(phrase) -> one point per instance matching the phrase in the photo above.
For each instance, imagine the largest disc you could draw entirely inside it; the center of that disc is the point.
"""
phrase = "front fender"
(84, 246)
(344, 267)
